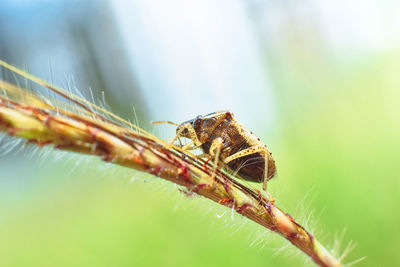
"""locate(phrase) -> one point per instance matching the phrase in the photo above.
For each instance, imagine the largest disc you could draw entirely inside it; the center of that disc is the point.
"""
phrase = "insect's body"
(220, 135)
(237, 138)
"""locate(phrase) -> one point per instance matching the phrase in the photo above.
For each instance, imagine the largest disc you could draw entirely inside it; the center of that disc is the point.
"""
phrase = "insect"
(232, 145)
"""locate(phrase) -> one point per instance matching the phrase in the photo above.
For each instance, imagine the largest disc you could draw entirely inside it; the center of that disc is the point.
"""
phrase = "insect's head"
(183, 130)
(203, 126)
(200, 128)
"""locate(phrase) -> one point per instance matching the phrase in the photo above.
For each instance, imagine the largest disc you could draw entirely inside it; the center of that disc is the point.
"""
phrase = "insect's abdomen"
(251, 167)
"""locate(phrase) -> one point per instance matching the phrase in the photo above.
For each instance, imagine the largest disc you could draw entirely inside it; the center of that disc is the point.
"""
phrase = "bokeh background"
(318, 81)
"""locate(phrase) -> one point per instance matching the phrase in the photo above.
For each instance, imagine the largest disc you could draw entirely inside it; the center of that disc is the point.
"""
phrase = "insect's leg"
(215, 151)
(252, 150)
(245, 152)
(188, 146)
(177, 136)
(192, 134)
(265, 175)
(203, 155)
(265, 154)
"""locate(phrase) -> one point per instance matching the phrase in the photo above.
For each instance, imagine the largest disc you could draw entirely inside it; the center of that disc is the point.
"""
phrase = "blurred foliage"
(336, 144)
(336, 147)
(340, 138)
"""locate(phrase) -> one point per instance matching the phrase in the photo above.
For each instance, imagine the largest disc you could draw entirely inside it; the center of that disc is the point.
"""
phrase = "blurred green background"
(317, 81)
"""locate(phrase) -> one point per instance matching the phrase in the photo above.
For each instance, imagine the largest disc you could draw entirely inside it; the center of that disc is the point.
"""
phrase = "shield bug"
(225, 139)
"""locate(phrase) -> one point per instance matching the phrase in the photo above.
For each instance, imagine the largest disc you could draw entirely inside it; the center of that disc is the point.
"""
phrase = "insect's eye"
(182, 132)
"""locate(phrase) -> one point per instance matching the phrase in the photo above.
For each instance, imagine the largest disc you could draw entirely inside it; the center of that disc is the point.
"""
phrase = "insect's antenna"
(168, 122)
(172, 123)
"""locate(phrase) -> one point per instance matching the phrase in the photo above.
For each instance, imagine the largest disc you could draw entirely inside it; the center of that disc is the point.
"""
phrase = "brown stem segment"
(120, 145)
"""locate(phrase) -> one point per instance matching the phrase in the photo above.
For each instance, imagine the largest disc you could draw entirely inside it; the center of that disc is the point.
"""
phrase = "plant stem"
(43, 124)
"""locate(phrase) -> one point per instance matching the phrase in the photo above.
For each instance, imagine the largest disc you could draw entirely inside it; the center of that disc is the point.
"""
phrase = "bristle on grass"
(88, 129)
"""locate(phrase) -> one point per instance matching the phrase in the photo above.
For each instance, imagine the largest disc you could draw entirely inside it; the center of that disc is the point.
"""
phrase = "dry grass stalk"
(80, 129)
